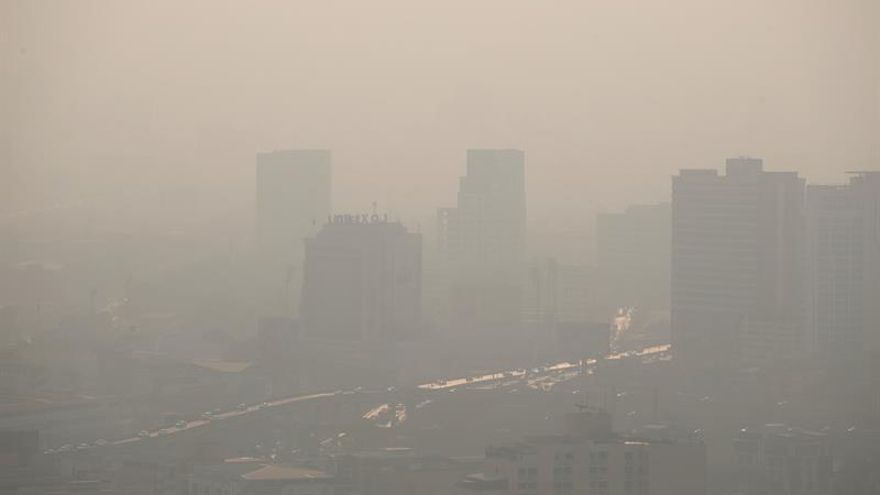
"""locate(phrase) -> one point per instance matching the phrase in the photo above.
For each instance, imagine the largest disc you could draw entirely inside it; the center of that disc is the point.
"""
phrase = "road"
(543, 377)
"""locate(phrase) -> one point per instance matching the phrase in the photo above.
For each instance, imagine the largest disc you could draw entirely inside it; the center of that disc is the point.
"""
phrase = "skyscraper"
(292, 202)
(362, 281)
(633, 256)
(843, 233)
(736, 262)
(483, 244)
(293, 198)
(488, 225)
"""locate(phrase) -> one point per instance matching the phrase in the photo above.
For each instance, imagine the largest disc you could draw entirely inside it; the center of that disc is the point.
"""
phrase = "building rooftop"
(277, 472)
(222, 366)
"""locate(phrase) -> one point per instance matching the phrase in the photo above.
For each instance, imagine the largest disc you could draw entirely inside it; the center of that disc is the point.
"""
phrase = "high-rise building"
(362, 281)
(633, 255)
(292, 202)
(483, 242)
(843, 241)
(293, 198)
(737, 261)
(488, 225)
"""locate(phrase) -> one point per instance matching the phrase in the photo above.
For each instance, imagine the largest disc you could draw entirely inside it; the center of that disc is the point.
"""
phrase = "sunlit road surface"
(522, 373)
(374, 413)
(537, 378)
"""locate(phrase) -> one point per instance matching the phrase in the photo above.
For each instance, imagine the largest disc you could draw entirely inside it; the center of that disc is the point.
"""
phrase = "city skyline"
(505, 247)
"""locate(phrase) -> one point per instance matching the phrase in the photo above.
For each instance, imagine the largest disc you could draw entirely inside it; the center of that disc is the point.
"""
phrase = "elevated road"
(543, 377)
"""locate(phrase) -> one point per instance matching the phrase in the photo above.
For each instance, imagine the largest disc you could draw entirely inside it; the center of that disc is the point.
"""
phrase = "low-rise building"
(782, 460)
(247, 476)
(588, 458)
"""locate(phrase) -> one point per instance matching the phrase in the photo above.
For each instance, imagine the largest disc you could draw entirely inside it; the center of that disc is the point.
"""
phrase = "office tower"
(736, 262)
(482, 243)
(633, 256)
(559, 312)
(843, 240)
(488, 225)
(293, 199)
(362, 281)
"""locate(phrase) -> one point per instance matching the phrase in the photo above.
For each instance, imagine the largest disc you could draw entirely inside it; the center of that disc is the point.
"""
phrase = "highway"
(195, 423)
(542, 378)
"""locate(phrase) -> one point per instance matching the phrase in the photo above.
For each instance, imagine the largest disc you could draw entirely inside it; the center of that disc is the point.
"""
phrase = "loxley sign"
(358, 218)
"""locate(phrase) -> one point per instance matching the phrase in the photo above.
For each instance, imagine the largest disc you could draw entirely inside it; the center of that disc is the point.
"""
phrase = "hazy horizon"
(103, 97)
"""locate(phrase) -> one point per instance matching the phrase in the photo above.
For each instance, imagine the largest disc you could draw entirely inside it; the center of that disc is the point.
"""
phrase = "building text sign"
(358, 218)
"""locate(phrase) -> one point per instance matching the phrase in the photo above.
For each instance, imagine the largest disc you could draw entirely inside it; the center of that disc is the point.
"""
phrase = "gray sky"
(607, 97)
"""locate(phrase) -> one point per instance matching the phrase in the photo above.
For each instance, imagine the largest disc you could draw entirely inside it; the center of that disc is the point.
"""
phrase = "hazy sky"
(607, 97)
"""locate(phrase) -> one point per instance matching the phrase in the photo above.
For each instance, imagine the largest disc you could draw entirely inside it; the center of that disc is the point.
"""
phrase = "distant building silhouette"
(362, 281)
(293, 197)
(736, 263)
(633, 255)
(292, 202)
(843, 233)
(361, 302)
(488, 225)
(483, 243)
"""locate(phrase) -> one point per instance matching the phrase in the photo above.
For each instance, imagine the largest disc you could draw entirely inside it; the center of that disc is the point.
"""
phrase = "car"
(83, 446)
(143, 433)
(242, 407)
(208, 415)
(101, 442)
(265, 404)
(181, 424)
